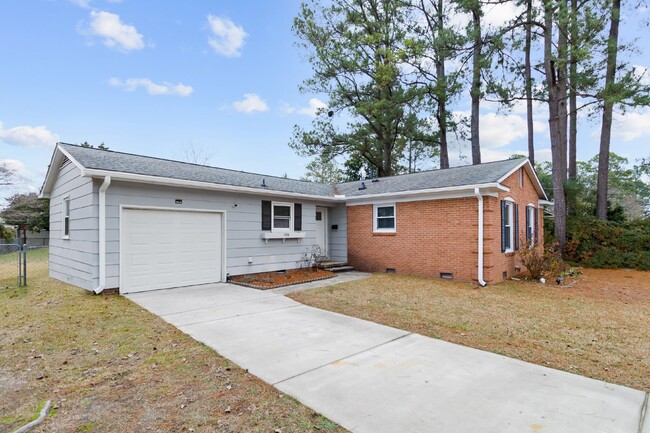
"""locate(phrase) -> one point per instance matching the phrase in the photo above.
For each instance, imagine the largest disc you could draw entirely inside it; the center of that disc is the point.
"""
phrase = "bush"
(540, 261)
(608, 244)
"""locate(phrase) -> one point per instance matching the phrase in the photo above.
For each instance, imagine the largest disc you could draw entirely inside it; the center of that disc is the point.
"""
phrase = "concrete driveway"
(373, 378)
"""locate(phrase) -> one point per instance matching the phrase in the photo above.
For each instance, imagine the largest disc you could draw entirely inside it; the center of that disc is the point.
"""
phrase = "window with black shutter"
(266, 215)
(531, 225)
(509, 226)
(281, 217)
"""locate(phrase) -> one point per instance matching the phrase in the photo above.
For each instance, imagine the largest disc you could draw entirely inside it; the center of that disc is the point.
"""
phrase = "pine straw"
(110, 366)
(599, 327)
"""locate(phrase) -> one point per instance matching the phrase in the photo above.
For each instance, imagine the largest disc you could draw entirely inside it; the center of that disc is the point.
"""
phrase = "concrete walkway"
(373, 378)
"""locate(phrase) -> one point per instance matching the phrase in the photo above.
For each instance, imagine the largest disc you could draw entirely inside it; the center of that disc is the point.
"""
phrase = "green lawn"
(37, 262)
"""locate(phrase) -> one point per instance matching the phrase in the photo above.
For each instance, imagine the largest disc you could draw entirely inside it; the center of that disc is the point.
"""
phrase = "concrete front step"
(337, 269)
(337, 266)
(328, 265)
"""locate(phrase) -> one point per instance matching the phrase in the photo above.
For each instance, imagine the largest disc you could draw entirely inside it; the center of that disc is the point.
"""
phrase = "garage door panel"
(163, 249)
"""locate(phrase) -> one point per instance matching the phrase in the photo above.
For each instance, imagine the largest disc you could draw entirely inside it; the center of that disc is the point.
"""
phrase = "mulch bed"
(273, 280)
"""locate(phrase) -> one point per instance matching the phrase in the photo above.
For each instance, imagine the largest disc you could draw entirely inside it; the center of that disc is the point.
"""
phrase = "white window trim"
(291, 217)
(511, 214)
(65, 203)
(531, 221)
(375, 207)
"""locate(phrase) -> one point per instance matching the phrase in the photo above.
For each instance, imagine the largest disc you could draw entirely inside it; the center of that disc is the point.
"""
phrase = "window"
(521, 177)
(531, 224)
(281, 217)
(282, 213)
(384, 218)
(66, 218)
(509, 226)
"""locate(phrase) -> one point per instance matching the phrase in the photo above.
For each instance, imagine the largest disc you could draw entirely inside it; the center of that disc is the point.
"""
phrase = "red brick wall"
(496, 262)
(438, 236)
(431, 237)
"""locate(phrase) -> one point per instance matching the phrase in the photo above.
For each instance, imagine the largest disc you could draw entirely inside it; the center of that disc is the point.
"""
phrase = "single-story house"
(136, 223)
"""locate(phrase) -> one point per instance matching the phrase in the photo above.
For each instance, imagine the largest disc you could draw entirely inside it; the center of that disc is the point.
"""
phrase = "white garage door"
(163, 249)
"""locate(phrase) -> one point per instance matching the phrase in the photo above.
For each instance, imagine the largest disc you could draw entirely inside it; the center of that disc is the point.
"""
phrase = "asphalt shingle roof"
(109, 160)
(488, 172)
(128, 163)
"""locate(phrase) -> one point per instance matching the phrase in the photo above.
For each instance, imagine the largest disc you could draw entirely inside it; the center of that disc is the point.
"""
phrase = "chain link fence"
(19, 264)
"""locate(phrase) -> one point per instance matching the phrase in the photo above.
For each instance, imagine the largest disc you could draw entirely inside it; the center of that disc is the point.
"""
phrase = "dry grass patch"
(110, 366)
(599, 327)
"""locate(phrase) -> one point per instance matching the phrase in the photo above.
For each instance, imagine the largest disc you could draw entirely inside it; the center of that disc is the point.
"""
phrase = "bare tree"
(197, 154)
(8, 175)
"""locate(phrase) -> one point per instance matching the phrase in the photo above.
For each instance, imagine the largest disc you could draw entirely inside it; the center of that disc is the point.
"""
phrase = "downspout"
(478, 195)
(102, 234)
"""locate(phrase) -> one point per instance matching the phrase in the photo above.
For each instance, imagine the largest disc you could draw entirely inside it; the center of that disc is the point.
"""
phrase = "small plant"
(311, 258)
(540, 262)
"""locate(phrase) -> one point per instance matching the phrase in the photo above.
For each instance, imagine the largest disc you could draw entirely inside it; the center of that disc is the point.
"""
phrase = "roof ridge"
(194, 164)
(435, 170)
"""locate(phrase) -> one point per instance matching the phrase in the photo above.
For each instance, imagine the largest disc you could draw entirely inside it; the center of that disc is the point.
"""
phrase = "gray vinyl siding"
(338, 239)
(74, 260)
(243, 218)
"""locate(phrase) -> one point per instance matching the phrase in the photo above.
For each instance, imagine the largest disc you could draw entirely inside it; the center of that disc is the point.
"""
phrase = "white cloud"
(643, 74)
(227, 38)
(628, 127)
(502, 130)
(16, 166)
(286, 108)
(315, 105)
(500, 14)
(132, 84)
(28, 136)
(250, 104)
(81, 3)
(115, 33)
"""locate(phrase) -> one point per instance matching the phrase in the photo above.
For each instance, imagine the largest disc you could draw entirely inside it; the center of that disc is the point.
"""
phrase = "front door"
(321, 232)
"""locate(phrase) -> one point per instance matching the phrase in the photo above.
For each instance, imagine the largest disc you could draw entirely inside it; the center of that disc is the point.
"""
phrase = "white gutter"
(478, 195)
(419, 192)
(102, 235)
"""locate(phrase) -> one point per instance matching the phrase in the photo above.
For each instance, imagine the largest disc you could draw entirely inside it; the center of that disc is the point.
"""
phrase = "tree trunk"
(529, 83)
(442, 92)
(573, 107)
(608, 108)
(476, 85)
(555, 127)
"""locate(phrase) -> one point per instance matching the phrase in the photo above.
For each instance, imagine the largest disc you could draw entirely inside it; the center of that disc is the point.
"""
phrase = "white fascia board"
(53, 170)
(545, 203)
(487, 189)
(182, 183)
(531, 171)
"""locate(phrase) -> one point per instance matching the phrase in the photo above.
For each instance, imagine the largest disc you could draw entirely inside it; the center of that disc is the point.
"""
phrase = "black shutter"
(516, 212)
(503, 225)
(266, 215)
(536, 219)
(297, 217)
(528, 233)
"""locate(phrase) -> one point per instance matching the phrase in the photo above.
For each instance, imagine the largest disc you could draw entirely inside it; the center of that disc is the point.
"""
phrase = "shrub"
(608, 244)
(540, 261)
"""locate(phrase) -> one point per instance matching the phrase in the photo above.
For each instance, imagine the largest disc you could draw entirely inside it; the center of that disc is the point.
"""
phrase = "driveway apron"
(373, 378)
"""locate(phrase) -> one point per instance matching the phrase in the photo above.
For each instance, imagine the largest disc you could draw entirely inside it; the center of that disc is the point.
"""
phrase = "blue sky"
(156, 77)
